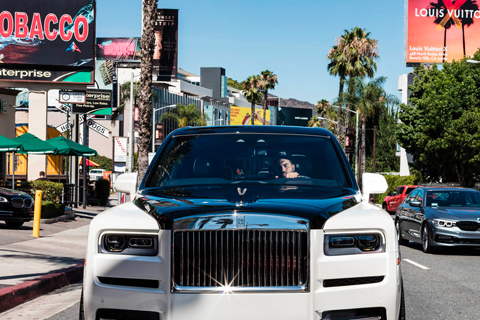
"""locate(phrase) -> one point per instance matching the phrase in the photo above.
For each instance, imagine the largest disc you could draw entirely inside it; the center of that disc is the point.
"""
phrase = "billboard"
(293, 116)
(441, 31)
(98, 102)
(242, 116)
(118, 49)
(165, 53)
(48, 33)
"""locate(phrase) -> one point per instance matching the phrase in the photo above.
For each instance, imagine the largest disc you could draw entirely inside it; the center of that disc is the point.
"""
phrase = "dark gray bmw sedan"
(438, 217)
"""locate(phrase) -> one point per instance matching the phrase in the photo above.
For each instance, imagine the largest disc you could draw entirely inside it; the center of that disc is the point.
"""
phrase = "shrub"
(102, 190)
(51, 209)
(50, 190)
(395, 181)
(104, 162)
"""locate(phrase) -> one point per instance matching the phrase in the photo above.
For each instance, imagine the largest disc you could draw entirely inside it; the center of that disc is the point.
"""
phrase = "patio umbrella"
(71, 148)
(33, 145)
(90, 163)
(7, 144)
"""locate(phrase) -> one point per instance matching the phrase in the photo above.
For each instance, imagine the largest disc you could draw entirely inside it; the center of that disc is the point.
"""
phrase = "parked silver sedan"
(439, 217)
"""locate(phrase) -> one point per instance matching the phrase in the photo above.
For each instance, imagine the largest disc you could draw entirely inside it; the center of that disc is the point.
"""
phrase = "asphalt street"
(444, 285)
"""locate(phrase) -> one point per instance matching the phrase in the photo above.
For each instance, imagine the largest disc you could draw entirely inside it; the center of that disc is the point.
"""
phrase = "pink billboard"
(441, 30)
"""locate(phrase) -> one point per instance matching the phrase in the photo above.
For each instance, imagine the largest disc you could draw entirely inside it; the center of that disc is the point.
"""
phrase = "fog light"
(114, 242)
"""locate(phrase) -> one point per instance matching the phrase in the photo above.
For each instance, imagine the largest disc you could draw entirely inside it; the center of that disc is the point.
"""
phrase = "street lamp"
(154, 125)
(356, 136)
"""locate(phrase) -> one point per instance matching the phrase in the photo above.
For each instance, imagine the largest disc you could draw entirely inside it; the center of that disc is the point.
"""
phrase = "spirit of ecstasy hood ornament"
(241, 193)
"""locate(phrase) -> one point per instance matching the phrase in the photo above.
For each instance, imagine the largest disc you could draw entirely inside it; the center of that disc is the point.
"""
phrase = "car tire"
(14, 224)
(426, 239)
(384, 207)
(401, 241)
(81, 313)
(402, 315)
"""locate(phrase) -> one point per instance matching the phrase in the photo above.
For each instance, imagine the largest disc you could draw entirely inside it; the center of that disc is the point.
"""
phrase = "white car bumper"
(161, 303)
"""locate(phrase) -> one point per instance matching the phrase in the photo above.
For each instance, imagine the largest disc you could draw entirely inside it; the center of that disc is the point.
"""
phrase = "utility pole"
(374, 144)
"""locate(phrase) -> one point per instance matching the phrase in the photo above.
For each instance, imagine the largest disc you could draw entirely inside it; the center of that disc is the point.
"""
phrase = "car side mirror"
(373, 183)
(127, 183)
(415, 203)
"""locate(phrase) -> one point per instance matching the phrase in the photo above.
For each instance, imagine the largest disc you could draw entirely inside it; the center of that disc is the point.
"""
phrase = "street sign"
(72, 97)
(120, 149)
(96, 100)
(98, 128)
(65, 127)
(89, 116)
(65, 109)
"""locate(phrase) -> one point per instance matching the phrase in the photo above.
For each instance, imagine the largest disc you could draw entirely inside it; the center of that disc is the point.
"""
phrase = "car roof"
(446, 188)
(253, 129)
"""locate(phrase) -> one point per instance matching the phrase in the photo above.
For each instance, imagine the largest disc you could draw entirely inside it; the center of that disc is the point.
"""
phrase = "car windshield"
(462, 198)
(238, 158)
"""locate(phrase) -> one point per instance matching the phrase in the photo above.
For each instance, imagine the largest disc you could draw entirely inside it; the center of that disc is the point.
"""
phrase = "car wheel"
(384, 207)
(426, 239)
(14, 224)
(401, 241)
(402, 315)
(81, 313)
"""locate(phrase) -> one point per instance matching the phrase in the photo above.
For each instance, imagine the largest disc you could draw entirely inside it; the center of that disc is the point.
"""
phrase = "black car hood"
(11, 192)
(455, 213)
(317, 204)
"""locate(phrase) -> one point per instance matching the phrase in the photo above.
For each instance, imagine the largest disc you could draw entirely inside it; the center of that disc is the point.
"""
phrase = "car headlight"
(344, 244)
(3, 199)
(132, 244)
(443, 223)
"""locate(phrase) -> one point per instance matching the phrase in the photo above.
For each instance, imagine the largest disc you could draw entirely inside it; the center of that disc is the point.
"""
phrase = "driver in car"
(287, 167)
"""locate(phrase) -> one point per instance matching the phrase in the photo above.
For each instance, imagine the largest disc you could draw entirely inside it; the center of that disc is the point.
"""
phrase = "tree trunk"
(252, 116)
(463, 36)
(363, 145)
(351, 89)
(265, 102)
(339, 111)
(145, 109)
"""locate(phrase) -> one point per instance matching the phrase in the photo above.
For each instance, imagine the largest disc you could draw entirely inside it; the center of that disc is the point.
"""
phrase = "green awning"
(71, 148)
(33, 145)
(7, 144)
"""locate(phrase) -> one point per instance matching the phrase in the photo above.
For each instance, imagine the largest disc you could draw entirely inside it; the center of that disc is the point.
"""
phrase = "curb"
(13, 296)
(67, 216)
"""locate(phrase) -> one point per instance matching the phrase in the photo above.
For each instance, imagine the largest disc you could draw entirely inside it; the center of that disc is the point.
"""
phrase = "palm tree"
(361, 52)
(338, 67)
(145, 109)
(251, 90)
(186, 115)
(439, 21)
(371, 98)
(353, 56)
(268, 80)
(469, 5)
(322, 107)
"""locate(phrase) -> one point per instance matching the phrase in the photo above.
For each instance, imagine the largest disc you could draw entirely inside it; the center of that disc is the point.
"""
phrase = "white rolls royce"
(245, 222)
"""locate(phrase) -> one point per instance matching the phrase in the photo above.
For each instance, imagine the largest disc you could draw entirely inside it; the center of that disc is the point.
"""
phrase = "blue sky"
(290, 38)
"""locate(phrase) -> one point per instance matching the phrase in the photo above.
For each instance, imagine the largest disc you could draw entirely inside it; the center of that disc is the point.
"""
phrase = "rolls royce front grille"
(467, 225)
(240, 260)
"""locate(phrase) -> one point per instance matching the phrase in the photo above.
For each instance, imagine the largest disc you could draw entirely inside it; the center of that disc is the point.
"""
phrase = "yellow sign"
(242, 116)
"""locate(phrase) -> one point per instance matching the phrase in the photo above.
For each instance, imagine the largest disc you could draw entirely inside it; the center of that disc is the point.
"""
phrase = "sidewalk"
(35, 267)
